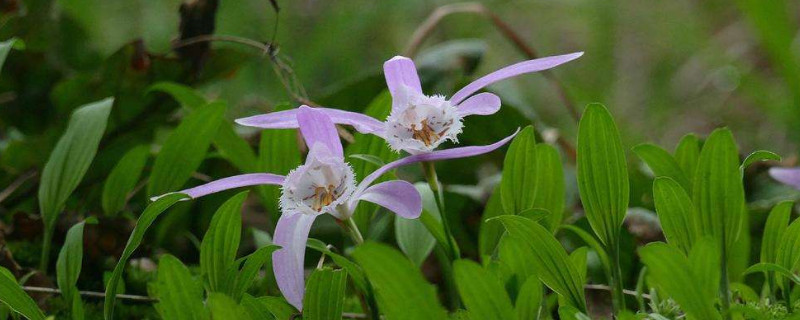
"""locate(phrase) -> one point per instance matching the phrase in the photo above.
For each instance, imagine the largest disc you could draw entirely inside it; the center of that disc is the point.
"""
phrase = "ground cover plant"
(218, 160)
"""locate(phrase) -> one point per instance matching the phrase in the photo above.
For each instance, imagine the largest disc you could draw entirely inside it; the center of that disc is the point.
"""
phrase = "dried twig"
(16, 184)
(91, 294)
(607, 288)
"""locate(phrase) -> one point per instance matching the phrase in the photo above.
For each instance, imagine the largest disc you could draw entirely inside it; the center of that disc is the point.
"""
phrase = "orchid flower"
(327, 184)
(788, 176)
(418, 123)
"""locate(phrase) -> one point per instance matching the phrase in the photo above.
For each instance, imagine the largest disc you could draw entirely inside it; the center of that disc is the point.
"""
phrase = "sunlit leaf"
(662, 163)
(676, 213)
(759, 155)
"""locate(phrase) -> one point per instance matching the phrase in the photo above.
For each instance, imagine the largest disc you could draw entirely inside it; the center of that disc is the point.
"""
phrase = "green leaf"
(186, 96)
(788, 254)
(223, 307)
(70, 261)
(718, 190)
(123, 178)
(278, 154)
(592, 242)
(571, 313)
(686, 155)
(184, 149)
(489, 233)
(777, 222)
(355, 272)
(662, 163)
(220, 244)
(5, 48)
(759, 155)
(368, 158)
(71, 158)
(529, 299)
(400, 288)
(602, 173)
(550, 186)
(252, 263)
(15, 298)
(667, 267)
(412, 236)
(277, 306)
(482, 293)
(578, 258)
(552, 264)
(325, 293)
(518, 186)
(676, 213)
(772, 267)
(145, 220)
(257, 309)
(180, 296)
(704, 262)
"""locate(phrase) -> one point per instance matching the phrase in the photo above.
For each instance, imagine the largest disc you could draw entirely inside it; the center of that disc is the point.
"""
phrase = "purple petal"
(481, 104)
(251, 179)
(291, 234)
(789, 176)
(317, 127)
(454, 153)
(512, 71)
(398, 196)
(288, 120)
(400, 71)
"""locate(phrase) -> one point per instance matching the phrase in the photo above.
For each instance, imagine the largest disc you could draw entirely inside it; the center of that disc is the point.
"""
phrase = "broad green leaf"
(518, 186)
(667, 266)
(704, 261)
(777, 222)
(602, 173)
(400, 288)
(550, 185)
(552, 264)
(662, 163)
(482, 293)
(367, 144)
(184, 149)
(223, 307)
(756, 156)
(529, 299)
(71, 158)
(788, 254)
(686, 155)
(412, 236)
(568, 312)
(355, 272)
(180, 296)
(145, 220)
(256, 308)
(772, 267)
(277, 306)
(220, 244)
(123, 178)
(592, 242)
(15, 298)
(70, 261)
(325, 293)
(516, 256)
(489, 233)
(676, 213)
(718, 193)
(578, 258)
(5, 48)
(252, 263)
(278, 154)
(226, 140)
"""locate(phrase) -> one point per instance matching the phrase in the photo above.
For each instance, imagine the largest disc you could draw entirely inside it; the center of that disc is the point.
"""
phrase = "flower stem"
(433, 181)
(46, 242)
(617, 292)
(724, 285)
(352, 230)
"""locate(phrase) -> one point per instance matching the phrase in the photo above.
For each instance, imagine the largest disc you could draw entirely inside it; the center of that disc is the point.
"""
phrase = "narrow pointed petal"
(788, 176)
(398, 196)
(251, 179)
(317, 127)
(513, 70)
(454, 153)
(291, 234)
(288, 120)
(481, 104)
(401, 71)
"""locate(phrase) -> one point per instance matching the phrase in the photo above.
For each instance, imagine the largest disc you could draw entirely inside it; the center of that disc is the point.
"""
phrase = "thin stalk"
(352, 230)
(787, 295)
(617, 290)
(46, 242)
(724, 286)
(433, 181)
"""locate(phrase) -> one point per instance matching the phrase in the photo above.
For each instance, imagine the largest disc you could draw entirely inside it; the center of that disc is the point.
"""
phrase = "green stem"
(617, 295)
(352, 230)
(433, 181)
(724, 286)
(46, 242)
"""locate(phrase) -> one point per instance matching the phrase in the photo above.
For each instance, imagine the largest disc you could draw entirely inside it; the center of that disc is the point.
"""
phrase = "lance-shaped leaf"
(252, 263)
(5, 48)
(602, 173)
(145, 220)
(412, 236)
(777, 222)
(552, 264)
(400, 288)
(325, 293)
(667, 267)
(662, 163)
(15, 298)
(489, 233)
(184, 149)
(355, 272)
(482, 293)
(687, 152)
(718, 193)
(71, 157)
(180, 296)
(529, 299)
(220, 244)
(278, 154)
(676, 213)
(788, 255)
(550, 185)
(123, 178)
(223, 307)
(69, 263)
(592, 242)
(758, 155)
